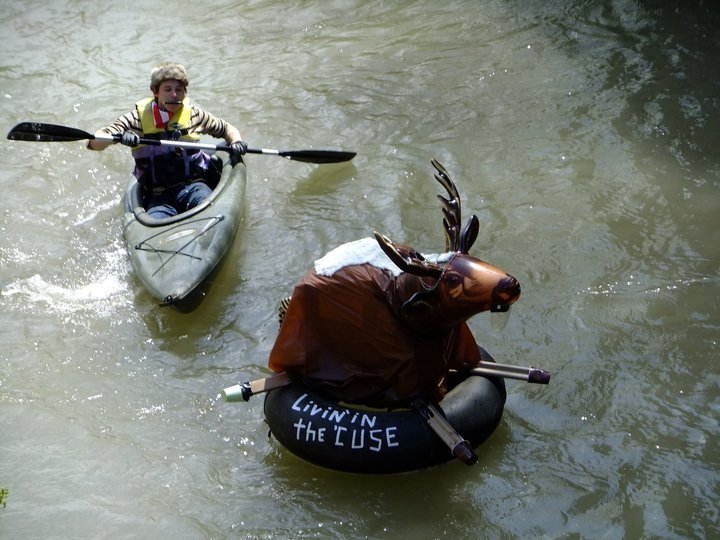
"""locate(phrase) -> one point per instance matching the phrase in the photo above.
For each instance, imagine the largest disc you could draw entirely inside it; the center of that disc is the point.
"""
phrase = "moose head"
(457, 286)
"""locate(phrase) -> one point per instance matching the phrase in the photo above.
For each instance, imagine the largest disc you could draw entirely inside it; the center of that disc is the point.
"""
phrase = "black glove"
(239, 147)
(130, 138)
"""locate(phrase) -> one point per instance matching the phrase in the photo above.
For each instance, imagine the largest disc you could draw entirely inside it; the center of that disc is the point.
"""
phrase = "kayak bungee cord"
(212, 222)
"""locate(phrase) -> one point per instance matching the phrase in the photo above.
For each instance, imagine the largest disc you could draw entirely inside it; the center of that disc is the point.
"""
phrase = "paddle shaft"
(244, 391)
(528, 374)
(459, 447)
(167, 142)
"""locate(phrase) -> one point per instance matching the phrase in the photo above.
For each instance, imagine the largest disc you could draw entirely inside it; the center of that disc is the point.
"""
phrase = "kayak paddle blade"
(40, 132)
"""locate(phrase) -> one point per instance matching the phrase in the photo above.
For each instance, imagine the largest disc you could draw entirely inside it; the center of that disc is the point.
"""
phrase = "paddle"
(244, 391)
(40, 132)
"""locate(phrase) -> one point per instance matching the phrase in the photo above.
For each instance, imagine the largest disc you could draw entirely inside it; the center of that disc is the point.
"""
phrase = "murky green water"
(583, 134)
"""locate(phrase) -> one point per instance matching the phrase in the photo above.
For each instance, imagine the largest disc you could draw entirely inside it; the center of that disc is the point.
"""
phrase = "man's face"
(169, 94)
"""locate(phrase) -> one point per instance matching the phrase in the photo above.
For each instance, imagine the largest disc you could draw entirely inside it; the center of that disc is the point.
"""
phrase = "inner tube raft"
(346, 438)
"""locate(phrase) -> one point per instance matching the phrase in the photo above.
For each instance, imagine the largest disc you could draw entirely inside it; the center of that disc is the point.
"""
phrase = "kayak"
(349, 438)
(177, 258)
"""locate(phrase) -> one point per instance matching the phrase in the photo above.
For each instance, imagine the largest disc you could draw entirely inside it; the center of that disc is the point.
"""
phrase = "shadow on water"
(323, 180)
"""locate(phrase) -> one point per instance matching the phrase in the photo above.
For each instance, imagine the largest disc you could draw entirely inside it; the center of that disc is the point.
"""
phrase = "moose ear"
(407, 259)
(419, 304)
(469, 234)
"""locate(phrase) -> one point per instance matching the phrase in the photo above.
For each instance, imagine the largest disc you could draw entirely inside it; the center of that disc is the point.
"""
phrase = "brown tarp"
(343, 335)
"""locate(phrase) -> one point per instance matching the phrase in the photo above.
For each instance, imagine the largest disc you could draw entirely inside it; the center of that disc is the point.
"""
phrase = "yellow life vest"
(180, 121)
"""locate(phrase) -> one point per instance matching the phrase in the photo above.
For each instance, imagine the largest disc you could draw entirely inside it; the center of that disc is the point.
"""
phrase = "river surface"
(583, 134)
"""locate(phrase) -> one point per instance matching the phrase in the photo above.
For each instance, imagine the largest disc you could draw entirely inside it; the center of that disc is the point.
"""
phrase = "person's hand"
(238, 147)
(130, 138)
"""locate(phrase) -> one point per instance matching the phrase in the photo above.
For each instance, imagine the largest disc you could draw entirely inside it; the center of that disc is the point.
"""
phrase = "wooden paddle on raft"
(41, 132)
(243, 392)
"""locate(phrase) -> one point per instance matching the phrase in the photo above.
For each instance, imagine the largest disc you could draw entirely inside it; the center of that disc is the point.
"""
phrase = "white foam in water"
(96, 209)
(66, 299)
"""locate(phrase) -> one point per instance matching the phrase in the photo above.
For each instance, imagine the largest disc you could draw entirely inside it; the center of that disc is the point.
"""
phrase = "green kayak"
(176, 258)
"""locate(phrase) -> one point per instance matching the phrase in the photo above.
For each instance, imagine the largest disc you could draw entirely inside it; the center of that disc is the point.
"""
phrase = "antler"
(451, 208)
(407, 259)
(455, 240)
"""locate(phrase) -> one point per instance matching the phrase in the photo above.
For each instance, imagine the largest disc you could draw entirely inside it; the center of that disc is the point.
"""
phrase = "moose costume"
(382, 329)
(345, 334)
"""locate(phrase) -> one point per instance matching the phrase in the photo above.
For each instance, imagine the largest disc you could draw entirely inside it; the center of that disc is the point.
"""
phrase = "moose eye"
(453, 280)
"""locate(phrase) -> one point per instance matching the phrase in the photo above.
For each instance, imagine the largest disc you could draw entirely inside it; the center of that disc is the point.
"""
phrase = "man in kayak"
(174, 179)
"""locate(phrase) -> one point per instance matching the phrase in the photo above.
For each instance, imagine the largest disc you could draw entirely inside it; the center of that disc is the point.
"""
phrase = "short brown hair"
(167, 71)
